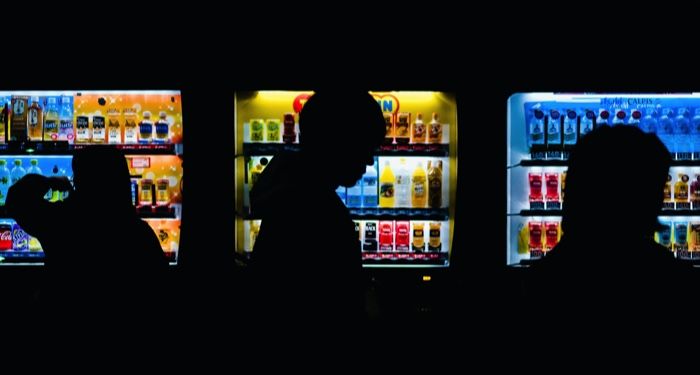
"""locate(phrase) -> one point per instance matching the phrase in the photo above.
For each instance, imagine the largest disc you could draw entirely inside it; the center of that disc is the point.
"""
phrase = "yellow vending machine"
(403, 206)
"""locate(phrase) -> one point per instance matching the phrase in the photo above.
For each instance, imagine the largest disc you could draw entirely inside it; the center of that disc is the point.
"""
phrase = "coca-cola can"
(5, 237)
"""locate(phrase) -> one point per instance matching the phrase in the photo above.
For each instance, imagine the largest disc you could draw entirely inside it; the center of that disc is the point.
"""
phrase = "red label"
(299, 102)
(5, 237)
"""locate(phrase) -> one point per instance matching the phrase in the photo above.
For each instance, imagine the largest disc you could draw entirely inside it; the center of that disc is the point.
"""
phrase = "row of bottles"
(273, 130)
(682, 236)
(30, 118)
(546, 190)
(401, 130)
(551, 132)
(539, 237)
(402, 184)
(9, 177)
(419, 188)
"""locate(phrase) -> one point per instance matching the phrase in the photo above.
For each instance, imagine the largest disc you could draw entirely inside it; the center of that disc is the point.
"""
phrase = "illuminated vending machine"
(40, 130)
(404, 204)
(542, 129)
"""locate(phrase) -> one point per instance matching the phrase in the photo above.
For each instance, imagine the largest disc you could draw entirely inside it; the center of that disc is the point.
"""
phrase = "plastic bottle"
(369, 187)
(17, 171)
(402, 185)
(51, 120)
(5, 181)
(419, 188)
(386, 186)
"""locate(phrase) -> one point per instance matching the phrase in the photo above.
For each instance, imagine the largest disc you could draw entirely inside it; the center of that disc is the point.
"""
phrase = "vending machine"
(542, 129)
(40, 130)
(404, 204)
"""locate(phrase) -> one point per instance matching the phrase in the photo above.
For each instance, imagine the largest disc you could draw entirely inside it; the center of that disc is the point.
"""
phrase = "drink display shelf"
(144, 212)
(434, 214)
(565, 163)
(64, 148)
(559, 213)
(434, 150)
(12, 256)
(404, 258)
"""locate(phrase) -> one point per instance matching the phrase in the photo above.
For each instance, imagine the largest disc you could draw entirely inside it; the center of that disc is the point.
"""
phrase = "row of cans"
(404, 236)
(14, 238)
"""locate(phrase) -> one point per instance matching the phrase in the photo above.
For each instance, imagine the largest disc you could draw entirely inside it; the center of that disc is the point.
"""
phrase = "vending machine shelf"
(434, 214)
(404, 258)
(564, 163)
(543, 163)
(146, 212)
(433, 150)
(559, 213)
(64, 148)
(540, 213)
(437, 214)
(21, 257)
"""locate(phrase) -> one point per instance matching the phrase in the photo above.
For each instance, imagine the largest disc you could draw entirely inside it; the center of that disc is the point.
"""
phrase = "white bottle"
(370, 196)
(17, 172)
(5, 181)
(402, 185)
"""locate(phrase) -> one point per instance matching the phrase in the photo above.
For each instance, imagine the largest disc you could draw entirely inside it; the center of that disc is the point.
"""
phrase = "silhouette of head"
(614, 184)
(343, 126)
(101, 174)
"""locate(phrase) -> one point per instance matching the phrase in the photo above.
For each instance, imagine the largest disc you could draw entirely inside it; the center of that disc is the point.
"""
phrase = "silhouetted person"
(105, 265)
(306, 259)
(607, 264)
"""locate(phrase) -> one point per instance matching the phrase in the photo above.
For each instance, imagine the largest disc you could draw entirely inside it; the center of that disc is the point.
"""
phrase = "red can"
(386, 236)
(5, 237)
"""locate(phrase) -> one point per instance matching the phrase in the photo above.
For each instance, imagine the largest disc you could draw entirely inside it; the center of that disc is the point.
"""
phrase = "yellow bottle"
(419, 189)
(563, 184)
(254, 230)
(114, 128)
(434, 242)
(680, 192)
(51, 120)
(667, 189)
(386, 186)
(418, 237)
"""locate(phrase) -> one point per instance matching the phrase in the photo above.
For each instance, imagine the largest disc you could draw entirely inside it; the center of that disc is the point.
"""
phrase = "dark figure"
(306, 259)
(607, 264)
(102, 259)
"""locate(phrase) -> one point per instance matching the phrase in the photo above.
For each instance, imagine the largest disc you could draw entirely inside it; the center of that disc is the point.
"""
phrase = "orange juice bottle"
(386, 187)
(419, 188)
